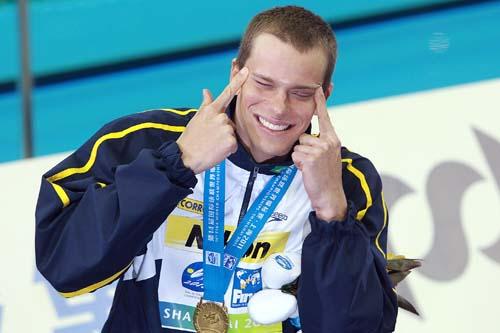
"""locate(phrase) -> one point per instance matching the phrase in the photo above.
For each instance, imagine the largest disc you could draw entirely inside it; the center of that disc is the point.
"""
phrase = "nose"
(279, 102)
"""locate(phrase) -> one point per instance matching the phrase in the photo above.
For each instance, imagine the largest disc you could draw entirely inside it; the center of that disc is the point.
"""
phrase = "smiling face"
(276, 103)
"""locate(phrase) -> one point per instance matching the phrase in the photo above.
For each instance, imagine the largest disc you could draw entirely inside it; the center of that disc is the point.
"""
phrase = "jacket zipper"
(248, 193)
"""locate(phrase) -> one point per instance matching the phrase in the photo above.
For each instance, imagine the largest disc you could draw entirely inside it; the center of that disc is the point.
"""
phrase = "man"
(132, 202)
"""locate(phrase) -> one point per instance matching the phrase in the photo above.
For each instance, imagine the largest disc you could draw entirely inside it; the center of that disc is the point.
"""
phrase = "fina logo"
(246, 283)
(284, 262)
(192, 277)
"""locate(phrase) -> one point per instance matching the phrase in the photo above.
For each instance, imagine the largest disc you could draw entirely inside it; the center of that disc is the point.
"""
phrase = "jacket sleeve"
(98, 208)
(344, 286)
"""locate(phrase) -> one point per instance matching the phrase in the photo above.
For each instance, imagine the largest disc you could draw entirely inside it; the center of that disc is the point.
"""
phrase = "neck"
(260, 157)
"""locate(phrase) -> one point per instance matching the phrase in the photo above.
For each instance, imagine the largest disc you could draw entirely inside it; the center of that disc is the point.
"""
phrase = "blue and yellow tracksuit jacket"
(124, 207)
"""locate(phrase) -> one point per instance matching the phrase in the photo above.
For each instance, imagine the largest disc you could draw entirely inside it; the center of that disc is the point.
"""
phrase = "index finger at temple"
(223, 100)
(324, 121)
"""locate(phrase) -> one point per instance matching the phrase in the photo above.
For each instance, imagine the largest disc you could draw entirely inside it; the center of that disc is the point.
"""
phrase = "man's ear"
(329, 91)
(234, 69)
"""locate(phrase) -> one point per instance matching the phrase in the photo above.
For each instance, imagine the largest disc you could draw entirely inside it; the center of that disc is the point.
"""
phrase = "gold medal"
(210, 317)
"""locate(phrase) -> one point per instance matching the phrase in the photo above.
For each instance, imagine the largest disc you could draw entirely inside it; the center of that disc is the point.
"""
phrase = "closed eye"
(303, 93)
(263, 84)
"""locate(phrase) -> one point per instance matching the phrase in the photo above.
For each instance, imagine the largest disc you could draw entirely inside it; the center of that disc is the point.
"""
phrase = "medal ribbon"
(219, 263)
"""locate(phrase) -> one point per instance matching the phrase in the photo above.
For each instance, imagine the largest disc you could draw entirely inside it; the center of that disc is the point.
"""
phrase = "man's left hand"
(318, 157)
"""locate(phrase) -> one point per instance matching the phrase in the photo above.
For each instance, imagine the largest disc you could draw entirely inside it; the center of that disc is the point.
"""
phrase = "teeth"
(272, 126)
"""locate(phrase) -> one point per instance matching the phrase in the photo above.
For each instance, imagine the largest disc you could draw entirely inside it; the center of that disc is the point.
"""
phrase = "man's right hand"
(209, 137)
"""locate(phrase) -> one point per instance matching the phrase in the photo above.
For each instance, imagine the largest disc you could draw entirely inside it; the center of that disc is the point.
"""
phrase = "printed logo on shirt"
(192, 277)
(191, 205)
(186, 233)
(277, 169)
(277, 217)
(284, 262)
(246, 283)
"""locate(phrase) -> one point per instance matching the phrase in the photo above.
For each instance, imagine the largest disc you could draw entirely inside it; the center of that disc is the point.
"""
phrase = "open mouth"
(277, 127)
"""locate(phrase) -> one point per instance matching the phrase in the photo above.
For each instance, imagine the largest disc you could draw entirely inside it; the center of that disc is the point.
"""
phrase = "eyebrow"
(300, 86)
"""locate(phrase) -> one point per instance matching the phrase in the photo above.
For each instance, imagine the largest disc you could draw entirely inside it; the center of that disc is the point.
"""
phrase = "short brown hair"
(297, 26)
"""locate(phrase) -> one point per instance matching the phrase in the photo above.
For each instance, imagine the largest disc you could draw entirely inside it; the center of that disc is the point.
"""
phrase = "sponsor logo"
(246, 283)
(229, 261)
(192, 277)
(277, 217)
(278, 169)
(180, 316)
(284, 262)
(177, 316)
(186, 233)
(191, 205)
(212, 258)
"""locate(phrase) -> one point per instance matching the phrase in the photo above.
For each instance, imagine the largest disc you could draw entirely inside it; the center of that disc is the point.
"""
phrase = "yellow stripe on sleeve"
(364, 185)
(94, 286)
(383, 227)
(93, 154)
(62, 195)
(114, 135)
(182, 113)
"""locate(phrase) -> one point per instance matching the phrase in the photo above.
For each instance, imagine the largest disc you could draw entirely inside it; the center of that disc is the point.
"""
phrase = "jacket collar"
(243, 159)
